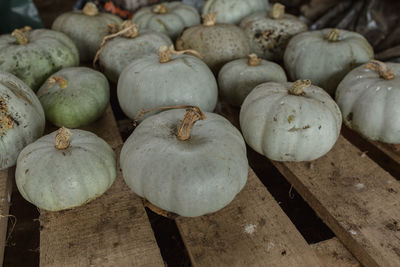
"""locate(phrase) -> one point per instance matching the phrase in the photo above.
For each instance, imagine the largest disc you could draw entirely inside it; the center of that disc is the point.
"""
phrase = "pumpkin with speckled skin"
(287, 127)
(370, 103)
(21, 118)
(233, 11)
(217, 44)
(45, 52)
(74, 97)
(169, 18)
(237, 78)
(86, 30)
(56, 179)
(270, 35)
(120, 51)
(325, 60)
(193, 177)
(184, 80)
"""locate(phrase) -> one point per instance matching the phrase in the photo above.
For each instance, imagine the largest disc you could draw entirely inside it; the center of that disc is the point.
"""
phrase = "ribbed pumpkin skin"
(185, 80)
(236, 79)
(233, 11)
(272, 45)
(47, 52)
(56, 180)
(193, 177)
(120, 51)
(83, 101)
(370, 104)
(309, 55)
(178, 17)
(87, 32)
(216, 44)
(285, 127)
(19, 104)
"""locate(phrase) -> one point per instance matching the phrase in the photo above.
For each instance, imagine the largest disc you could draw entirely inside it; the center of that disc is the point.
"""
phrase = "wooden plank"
(112, 230)
(332, 253)
(6, 177)
(357, 199)
(251, 231)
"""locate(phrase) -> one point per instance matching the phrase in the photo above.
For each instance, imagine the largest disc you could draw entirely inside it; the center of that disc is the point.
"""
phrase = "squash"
(21, 118)
(74, 97)
(269, 32)
(237, 78)
(169, 18)
(153, 81)
(33, 55)
(369, 99)
(290, 121)
(86, 27)
(122, 50)
(217, 43)
(233, 11)
(183, 166)
(326, 56)
(65, 169)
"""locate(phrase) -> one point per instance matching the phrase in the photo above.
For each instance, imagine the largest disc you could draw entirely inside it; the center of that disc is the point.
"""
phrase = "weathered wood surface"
(6, 177)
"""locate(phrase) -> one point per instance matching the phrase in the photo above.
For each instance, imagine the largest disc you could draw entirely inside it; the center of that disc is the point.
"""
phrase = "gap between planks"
(112, 230)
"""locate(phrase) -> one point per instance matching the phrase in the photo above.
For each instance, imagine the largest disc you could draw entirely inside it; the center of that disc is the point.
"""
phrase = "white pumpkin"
(290, 121)
(233, 11)
(369, 98)
(183, 168)
(65, 169)
(154, 81)
(169, 18)
(22, 118)
(237, 78)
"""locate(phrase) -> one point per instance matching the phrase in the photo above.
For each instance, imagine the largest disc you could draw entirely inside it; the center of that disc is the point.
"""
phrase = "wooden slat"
(251, 231)
(357, 199)
(332, 253)
(112, 230)
(6, 177)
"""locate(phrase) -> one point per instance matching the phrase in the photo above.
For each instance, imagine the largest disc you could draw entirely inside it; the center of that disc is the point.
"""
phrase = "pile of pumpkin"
(181, 157)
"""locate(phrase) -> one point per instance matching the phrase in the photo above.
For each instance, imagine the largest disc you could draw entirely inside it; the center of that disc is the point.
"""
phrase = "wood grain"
(6, 177)
(251, 231)
(112, 230)
(332, 253)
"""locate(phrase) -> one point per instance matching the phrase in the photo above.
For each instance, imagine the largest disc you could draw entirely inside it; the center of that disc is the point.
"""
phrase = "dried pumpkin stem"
(253, 60)
(333, 35)
(127, 29)
(277, 11)
(90, 9)
(164, 53)
(63, 137)
(20, 36)
(299, 86)
(160, 9)
(144, 112)
(209, 19)
(192, 115)
(384, 70)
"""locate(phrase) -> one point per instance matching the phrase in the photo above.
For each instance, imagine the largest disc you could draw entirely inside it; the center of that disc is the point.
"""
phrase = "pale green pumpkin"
(153, 81)
(33, 55)
(237, 78)
(369, 98)
(74, 97)
(21, 118)
(65, 169)
(326, 56)
(86, 28)
(169, 18)
(217, 43)
(120, 51)
(269, 32)
(191, 170)
(290, 121)
(233, 11)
